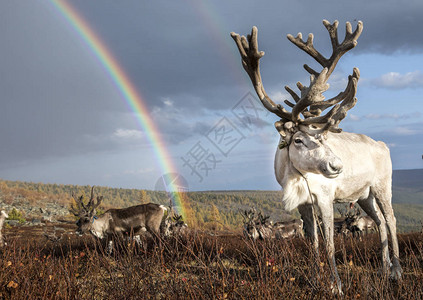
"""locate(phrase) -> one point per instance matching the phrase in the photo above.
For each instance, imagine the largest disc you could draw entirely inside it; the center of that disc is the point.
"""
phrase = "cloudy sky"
(63, 120)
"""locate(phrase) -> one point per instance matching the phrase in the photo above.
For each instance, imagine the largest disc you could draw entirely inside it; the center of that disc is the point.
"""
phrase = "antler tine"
(90, 202)
(339, 111)
(248, 215)
(243, 214)
(98, 202)
(250, 56)
(312, 94)
(308, 47)
(349, 42)
(80, 205)
(177, 218)
(317, 108)
(74, 210)
(93, 204)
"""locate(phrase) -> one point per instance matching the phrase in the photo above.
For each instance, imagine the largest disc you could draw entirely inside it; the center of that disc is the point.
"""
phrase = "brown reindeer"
(131, 221)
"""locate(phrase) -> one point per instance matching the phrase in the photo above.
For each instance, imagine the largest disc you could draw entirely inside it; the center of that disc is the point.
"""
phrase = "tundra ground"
(199, 265)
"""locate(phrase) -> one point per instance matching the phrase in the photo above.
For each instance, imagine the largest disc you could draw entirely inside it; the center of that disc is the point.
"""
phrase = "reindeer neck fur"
(100, 225)
(295, 190)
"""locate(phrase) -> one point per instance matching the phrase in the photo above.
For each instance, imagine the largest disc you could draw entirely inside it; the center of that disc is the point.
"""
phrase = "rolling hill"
(208, 209)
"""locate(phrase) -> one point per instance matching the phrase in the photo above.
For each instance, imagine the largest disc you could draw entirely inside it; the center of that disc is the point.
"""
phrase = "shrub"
(15, 214)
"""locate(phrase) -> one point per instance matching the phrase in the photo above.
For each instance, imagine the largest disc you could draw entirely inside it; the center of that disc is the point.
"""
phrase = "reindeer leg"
(385, 206)
(371, 209)
(137, 239)
(109, 248)
(328, 231)
(310, 226)
(310, 229)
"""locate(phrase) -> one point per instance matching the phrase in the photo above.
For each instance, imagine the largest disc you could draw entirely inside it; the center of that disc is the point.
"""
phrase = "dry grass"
(198, 266)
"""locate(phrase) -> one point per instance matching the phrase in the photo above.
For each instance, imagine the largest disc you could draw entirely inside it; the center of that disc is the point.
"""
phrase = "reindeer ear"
(280, 128)
(286, 130)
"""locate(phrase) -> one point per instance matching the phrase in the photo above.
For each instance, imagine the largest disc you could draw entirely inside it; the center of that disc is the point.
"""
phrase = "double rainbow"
(129, 93)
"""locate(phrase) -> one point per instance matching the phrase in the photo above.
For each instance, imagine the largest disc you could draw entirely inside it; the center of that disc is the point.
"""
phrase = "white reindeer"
(3, 217)
(317, 164)
(131, 221)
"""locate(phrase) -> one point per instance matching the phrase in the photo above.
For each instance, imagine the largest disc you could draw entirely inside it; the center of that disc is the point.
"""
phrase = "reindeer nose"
(336, 166)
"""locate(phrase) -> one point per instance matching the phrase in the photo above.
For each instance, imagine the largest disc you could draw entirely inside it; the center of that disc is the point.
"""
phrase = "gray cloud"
(186, 51)
(58, 101)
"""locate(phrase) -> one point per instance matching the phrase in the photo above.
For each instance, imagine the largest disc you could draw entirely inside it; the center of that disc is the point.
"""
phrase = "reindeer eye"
(298, 141)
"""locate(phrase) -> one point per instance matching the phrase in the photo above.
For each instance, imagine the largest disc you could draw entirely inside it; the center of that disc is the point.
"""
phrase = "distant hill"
(407, 186)
(408, 179)
(207, 209)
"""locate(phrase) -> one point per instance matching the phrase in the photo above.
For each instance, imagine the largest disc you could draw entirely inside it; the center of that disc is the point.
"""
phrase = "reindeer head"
(304, 130)
(250, 224)
(86, 213)
(173, 223)
(354, 217)
(254, 224)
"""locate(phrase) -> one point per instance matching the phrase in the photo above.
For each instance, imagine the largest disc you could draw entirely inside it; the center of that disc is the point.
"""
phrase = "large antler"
(248, 215)
(81, 207)
(310, 96)
(250, 61)
(92, 204)
(263, 219)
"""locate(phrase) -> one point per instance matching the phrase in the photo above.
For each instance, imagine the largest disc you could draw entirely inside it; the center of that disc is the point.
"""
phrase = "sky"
(63, 120)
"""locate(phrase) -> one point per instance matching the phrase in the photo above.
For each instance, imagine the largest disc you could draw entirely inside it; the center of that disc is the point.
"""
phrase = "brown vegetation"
(199, 266)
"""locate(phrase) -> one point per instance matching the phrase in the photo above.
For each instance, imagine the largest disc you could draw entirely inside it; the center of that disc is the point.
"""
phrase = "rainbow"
(126, 88)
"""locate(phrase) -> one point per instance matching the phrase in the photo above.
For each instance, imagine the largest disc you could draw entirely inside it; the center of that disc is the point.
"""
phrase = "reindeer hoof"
(396, 273)
(336, 289)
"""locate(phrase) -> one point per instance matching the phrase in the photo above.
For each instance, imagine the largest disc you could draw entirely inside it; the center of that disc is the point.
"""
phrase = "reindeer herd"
(256, 226)
(154, 220)
(146, 220)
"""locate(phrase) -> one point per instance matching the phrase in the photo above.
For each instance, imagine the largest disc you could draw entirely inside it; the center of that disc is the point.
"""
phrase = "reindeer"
(3, 217)
(251, 224)
(360, 225)
(288, 229)
(258, 227)
(342, 225)
(173, 225)
(135, 220)
(255, 225)
(316, 163)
